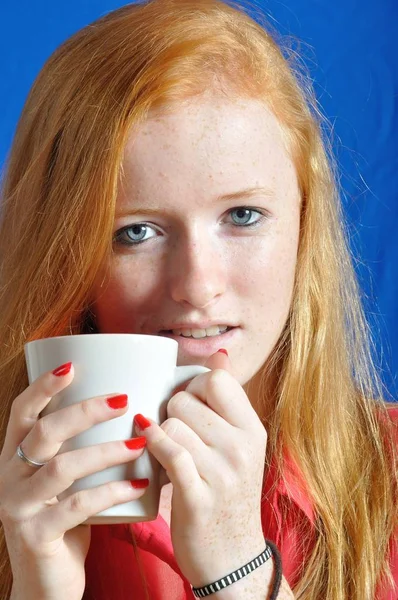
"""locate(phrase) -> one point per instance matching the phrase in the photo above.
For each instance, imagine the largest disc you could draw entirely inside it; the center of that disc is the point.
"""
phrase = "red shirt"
(114, 572)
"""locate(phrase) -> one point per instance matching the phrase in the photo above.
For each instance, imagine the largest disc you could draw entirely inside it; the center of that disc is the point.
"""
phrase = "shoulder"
(388, 412)
(390, 415)
(388, 419)
(392, 410)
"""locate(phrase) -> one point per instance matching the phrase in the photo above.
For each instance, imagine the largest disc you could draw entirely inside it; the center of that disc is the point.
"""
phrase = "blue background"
(349, 48)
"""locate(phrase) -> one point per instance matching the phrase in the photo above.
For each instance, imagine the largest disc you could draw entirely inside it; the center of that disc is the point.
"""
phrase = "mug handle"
(185, 372)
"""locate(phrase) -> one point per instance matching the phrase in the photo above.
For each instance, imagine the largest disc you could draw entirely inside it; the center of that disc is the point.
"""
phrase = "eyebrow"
(246, 193)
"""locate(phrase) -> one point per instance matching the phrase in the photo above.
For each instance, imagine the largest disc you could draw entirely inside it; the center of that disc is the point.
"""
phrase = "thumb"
(219, 360)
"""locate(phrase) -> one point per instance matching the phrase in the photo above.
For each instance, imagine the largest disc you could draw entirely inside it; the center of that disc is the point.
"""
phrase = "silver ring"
(28, 461)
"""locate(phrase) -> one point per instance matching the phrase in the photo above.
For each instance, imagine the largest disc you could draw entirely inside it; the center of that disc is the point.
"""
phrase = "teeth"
(201, 333)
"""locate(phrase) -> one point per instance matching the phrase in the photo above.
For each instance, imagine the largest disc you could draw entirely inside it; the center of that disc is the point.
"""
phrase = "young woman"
(169, 176)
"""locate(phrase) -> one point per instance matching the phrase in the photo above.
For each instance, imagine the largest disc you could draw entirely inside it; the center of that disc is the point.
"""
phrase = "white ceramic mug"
(141, 366)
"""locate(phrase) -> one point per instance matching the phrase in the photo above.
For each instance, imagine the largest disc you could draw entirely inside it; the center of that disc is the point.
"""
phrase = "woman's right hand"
(46, 541)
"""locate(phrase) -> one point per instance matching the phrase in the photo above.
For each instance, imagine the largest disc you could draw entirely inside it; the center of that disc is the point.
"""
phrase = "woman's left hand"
(212, 446)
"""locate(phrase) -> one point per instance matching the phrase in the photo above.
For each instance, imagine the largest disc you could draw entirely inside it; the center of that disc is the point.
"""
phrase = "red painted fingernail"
(141, 422)
(63, 370)
(139, 484)
(119, 401)
(136, 443)
(223, 351)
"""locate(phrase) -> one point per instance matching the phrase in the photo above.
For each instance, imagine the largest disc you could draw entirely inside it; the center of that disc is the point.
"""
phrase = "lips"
(203, 347)
(201, 325)
(167, 331)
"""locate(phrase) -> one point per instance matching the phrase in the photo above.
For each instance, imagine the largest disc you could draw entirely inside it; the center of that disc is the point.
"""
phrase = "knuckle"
(78, 503)
(261, 435)
(107, 454)
(44, 386)
(56, 467)
(110, 488)
(18, 406)
(244, 453)
(42, 429)
(217, 378)
(177, 403)
(171, 426)
(15, 406)
(109, 492)
(87, 409)
(239, 455)
(180, 459)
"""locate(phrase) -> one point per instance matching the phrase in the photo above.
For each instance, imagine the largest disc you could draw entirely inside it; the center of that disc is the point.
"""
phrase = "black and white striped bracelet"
(224, 582)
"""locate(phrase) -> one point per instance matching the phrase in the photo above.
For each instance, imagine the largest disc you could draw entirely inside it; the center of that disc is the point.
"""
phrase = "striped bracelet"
(224, 582)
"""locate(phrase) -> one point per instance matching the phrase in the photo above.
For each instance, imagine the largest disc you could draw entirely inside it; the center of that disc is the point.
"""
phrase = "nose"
(196, 272)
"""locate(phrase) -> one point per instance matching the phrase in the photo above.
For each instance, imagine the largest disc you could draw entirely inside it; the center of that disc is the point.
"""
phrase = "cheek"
(268, 280)
(128, 290)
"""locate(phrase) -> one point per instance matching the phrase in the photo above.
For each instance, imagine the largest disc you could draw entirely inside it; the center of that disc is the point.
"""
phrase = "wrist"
(218, 561)
(265, 577)
(257, 571)
(257, 585)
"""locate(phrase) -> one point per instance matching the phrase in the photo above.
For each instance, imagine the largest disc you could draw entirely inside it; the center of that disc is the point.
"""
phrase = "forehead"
(207, 142)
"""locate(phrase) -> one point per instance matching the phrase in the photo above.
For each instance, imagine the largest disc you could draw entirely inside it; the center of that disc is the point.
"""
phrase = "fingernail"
(139, 484)
(119, 401)
(141, 422)
(223, 351)
(136, 443)
(63, 370)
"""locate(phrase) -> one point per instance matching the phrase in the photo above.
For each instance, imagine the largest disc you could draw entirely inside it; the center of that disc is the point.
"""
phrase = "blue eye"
(134, 235)
(245, 212)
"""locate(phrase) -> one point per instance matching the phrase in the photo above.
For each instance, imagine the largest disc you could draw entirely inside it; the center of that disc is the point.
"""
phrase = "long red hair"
(58, 201)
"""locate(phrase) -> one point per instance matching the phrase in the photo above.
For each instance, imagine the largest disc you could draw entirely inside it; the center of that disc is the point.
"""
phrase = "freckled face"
(197, 259)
